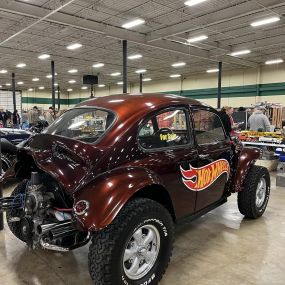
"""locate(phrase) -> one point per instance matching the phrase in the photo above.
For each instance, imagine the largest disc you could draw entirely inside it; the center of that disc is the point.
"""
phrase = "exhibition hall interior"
(142, 142)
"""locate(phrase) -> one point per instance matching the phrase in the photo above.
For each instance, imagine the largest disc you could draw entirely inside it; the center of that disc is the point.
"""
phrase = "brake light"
(81, 207)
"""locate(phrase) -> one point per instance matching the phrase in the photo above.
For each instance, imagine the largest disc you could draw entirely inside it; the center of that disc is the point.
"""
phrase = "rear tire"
(253, 199)
(136, 248)
(15, 227)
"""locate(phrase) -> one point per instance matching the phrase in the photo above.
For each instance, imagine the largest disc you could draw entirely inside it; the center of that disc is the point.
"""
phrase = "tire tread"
(246, 197)
(104, 241)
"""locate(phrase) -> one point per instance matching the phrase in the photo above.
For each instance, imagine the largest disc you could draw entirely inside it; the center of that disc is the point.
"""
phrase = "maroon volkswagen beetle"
(122, 170)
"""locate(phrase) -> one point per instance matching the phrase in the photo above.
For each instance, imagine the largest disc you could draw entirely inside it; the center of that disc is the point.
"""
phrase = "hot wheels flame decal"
(198, 179)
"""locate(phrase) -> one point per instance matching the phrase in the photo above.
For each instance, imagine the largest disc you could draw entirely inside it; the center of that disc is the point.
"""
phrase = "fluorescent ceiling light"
(133, 23)
(178, 64)
(21, 65)
(41, 87)
(74, 46)
(274, 61)
(115, 74)
(146, 79)
(0, 86)
(3, 71)
(73, 70)
(120, 83)
(175, 75)
(50, 76)
(197, 39)
(135, 56)
(241, 52)
(55, 84)
(44, 56)
(141, 71)
(193, 2)
(8, 84)
(213, 70)
(35, 79)
(72, 81)
(265, 21)
(20, 83)
(97, 65)
(101, 85)
(84, 87)
(30, 89)
(69, 90)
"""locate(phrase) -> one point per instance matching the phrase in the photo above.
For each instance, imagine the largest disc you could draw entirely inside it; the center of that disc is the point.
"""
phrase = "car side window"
(208, 127)
(166, 129)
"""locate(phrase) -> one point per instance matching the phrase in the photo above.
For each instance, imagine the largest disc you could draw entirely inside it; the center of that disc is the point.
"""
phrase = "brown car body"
(115, 169)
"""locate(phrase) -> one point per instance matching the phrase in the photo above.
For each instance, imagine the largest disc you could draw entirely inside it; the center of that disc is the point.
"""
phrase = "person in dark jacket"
(3, 117)
(227, 120)
(16, 120)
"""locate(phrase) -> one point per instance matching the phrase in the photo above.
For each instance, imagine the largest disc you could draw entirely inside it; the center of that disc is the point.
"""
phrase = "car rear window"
(84, 124)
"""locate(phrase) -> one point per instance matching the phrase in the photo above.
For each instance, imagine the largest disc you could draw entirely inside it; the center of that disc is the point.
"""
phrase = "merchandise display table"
(264, 144)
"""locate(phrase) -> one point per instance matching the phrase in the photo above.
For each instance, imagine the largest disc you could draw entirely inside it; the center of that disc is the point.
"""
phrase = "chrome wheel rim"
(141, 252)
(260, 192)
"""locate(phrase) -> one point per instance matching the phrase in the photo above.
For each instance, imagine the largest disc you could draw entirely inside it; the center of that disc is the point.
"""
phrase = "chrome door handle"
(203, 156)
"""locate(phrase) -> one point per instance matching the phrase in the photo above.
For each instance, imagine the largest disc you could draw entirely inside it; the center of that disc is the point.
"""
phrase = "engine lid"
(71, 162)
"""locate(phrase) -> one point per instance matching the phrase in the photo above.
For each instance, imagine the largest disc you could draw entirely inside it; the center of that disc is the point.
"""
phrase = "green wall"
(38, 100)
(271, 89)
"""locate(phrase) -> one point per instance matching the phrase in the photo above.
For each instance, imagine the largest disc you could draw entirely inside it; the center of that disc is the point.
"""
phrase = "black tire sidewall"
(163, 224)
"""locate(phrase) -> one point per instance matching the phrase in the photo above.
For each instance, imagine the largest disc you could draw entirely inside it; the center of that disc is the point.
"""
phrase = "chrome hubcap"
(260, 192)
(141, 252)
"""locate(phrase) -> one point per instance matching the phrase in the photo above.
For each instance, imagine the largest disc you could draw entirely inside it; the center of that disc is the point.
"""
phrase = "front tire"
(253, 199)
(136, 248)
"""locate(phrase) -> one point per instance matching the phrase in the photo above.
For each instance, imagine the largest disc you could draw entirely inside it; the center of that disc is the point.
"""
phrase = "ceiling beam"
(33, 11)
(220, 17)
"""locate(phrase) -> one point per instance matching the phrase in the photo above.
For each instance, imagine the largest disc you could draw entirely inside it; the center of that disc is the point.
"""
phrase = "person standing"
(16, 120)
(49, 116)
(227, 120)
(33, 116)
(258, 121)
(3, 117)
(25, 120)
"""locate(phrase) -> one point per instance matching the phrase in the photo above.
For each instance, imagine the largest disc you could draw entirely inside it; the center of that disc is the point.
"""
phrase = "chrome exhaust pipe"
(46, 228)
(57, 230)
(61, 233)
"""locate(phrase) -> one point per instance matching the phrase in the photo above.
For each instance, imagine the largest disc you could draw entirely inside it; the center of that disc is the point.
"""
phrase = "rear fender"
(109, 192)
(247, 158)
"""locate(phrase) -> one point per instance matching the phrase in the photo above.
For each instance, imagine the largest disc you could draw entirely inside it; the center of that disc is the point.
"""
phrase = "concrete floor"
(219, 248)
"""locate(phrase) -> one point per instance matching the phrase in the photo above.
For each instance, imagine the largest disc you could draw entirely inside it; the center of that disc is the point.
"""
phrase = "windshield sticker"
(167, 137)
(197, 179)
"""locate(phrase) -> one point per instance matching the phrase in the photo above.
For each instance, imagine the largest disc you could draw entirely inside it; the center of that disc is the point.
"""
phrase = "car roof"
(134, 103)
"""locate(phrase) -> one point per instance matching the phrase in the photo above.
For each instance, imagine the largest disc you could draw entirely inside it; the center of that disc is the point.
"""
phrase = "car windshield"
(83, 124)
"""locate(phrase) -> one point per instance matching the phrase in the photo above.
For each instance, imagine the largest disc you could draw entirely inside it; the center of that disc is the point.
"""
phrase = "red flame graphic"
(198, 179)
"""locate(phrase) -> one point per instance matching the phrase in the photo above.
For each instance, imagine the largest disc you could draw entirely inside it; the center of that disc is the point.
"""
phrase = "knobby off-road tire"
(15, 227)
(253, 199)
(111, 255)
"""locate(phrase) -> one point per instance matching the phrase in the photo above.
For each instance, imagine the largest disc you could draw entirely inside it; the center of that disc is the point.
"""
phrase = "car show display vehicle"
(121, 171)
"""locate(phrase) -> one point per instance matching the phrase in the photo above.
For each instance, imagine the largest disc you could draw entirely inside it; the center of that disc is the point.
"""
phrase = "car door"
(214, 156)
(168, 147)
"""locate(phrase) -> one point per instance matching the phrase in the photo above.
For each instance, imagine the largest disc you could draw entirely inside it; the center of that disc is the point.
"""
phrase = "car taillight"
(81, 207)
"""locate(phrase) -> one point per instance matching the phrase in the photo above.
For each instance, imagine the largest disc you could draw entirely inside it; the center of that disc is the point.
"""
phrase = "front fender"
(247, 158)
(109, 192)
